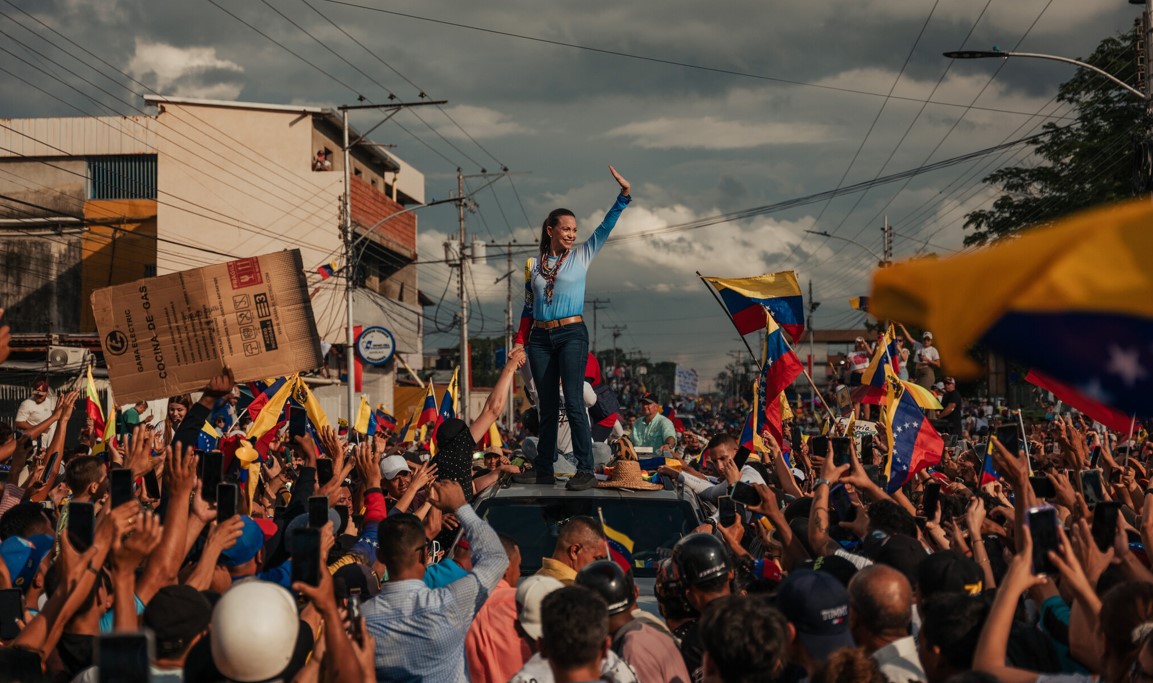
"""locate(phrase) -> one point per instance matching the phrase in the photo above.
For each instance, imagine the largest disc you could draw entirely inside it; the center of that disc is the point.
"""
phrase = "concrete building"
(93, 201)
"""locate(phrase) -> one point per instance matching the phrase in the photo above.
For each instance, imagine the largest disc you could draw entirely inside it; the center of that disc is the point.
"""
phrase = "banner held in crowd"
(168, 335)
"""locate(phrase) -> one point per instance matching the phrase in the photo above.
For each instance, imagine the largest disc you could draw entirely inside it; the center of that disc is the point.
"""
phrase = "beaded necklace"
(549, 273)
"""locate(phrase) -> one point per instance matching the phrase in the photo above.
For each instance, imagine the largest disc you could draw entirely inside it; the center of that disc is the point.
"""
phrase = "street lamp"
(827, 235)
(998, 54)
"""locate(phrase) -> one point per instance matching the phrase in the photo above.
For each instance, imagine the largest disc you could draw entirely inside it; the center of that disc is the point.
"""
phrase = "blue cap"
(817, 605)
(23, 556)
(246, 547)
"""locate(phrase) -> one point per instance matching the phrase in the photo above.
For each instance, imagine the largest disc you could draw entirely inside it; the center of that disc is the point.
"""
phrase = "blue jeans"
(557, 358)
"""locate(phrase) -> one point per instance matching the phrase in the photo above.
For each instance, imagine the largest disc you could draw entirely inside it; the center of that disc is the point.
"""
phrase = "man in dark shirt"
(951, 400)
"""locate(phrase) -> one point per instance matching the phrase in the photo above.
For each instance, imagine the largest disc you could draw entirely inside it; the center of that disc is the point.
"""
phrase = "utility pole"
(617, 329)
(887, 244)
(347, 236)
(812, 345)
(465, 360)
(510, 409)
(597, 305)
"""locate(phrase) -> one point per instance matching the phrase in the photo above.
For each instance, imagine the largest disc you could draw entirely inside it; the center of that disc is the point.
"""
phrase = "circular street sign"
(376, 345)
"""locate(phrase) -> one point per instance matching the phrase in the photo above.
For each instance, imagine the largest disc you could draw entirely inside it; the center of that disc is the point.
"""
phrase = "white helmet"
(254, 629)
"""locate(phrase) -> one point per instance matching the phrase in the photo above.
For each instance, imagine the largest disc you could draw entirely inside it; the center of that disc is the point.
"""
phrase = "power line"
(669, 62)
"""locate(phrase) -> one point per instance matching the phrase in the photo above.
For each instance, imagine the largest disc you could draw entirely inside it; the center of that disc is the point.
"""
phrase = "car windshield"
(654, 525)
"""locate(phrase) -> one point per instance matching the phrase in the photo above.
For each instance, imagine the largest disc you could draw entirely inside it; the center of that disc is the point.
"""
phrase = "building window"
(122, 177)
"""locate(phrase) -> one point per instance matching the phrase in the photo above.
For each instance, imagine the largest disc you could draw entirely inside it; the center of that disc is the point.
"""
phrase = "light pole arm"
(979, 54)
(846, 239)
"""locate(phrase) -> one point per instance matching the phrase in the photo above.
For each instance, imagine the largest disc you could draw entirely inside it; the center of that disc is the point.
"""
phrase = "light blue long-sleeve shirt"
(569, 291)
(420, 631)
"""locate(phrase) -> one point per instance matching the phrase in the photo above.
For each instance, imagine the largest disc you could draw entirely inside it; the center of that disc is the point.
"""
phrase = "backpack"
(607, 403)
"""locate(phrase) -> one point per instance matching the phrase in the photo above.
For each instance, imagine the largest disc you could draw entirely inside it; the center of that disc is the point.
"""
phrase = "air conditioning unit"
(65, 357)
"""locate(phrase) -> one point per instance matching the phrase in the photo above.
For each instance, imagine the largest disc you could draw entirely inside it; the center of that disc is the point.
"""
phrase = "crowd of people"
(382, 570)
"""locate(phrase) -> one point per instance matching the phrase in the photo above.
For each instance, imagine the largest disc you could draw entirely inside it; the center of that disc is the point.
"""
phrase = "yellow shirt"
(557, 570)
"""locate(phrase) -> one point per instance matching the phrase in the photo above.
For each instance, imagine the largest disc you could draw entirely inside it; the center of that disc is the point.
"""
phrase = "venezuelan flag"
(428, 411)
(620, 545)
(989, 473)
(913, 443)
(1110, 417)
(779, 363)
(923, 397)
(407, 434)
(93, 408)
(886, 355)
(262, 393)
(778, 292)
(1073, 301)
(365, 418)
(384, 420)
(448, 402)
(270, 413)
(327, 270)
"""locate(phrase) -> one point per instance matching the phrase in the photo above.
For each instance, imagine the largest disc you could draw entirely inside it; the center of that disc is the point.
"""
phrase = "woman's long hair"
(551, 222)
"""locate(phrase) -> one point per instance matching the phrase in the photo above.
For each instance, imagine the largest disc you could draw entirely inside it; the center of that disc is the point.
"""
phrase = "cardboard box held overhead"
(169, 335)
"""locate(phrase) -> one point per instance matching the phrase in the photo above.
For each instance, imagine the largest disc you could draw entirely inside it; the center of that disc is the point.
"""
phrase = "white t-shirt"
(859, 360)
(34, 413)
(613, 669)
(927, 353)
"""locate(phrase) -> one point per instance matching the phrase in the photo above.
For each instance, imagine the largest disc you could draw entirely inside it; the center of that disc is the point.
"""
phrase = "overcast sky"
(802, 109)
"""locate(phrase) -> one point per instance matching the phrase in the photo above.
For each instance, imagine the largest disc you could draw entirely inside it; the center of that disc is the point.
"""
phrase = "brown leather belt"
(553, 324)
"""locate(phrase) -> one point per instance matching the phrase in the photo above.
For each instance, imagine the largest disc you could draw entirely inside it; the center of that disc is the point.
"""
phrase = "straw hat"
(627, 472)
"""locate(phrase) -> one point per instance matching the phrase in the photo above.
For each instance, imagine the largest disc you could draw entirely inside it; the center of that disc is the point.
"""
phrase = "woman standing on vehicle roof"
(553, 334)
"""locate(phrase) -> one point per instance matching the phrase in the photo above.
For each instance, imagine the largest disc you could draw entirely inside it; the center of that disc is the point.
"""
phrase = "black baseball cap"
(817, 605)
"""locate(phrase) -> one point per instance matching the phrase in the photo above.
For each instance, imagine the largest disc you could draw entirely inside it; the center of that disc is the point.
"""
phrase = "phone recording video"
(317, 511)
(726, 511)
(1043, 522)
(81, 525)
(932, 500)
(842, 503)
(306, 555)
(1091, 488)
(842, 450)
(120, 486)
(212, 473)
(1104, 527)
(227, 497)
(324, 472)
(1043, 487)
(1009, 437)
(11, 610)
(745, 494)
(819, 446)
(124, 657)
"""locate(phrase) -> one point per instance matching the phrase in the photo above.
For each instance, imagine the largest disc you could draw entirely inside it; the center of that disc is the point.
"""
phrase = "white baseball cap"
(254, 629)
(529, 595)
(392, 466)
(927, 335)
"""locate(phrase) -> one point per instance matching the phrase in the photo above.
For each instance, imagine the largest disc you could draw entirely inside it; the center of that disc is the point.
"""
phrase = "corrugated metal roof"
(77, 136)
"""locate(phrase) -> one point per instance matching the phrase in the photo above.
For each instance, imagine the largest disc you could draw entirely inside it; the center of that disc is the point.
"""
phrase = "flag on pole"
(923, 397)
(365, 418)
(406, 434)
(886, 355)
(1071, 301)
(304, 397)
(327, 270)
(989, 473)
(913, 443)
(94, 409)
(744, 297)
(620, 545)
(428, 411)
(269, 412)
(450, 400)
(385, 420)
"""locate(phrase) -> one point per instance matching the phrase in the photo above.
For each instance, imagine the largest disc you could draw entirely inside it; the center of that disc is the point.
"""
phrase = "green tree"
(1099, 158)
